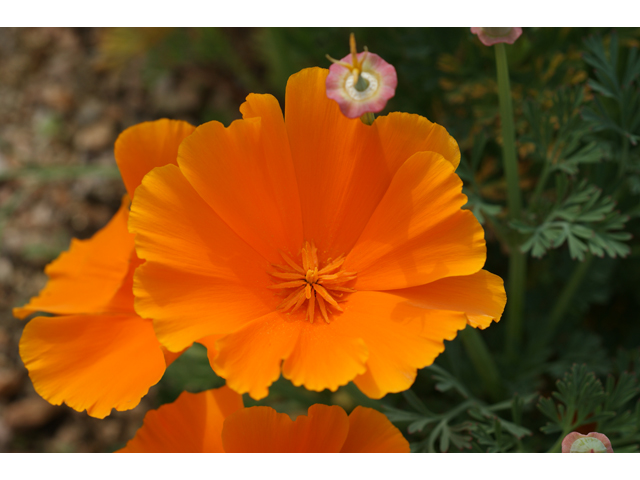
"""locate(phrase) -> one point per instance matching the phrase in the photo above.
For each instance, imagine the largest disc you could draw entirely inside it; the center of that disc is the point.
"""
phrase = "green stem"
(509, 159)
(482, 360)
(367, 118)
(624, 159)
(515, 299)
(517, 260)
(567, 427)
(562, 303)
(556, 446)
(542, 181)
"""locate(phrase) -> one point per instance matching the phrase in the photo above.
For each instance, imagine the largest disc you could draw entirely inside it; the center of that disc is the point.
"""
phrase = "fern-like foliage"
(621, 114)
(469, 425)
(559, 133)
(582, 218)
(581, 399)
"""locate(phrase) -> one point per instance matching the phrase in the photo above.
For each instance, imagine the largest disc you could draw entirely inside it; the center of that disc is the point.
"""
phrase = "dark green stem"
(624, 159)
(509, 159)
(542, 181)
(515, 300)
(482, 360)
(556, 446)
(367, 118)
(567, 427)
(517, 260)
(562, 303)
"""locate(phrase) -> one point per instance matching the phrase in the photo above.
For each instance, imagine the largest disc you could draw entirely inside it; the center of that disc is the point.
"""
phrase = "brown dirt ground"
(61, 109)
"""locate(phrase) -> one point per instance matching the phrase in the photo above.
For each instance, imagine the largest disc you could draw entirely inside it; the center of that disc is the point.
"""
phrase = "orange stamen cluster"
(312, 284)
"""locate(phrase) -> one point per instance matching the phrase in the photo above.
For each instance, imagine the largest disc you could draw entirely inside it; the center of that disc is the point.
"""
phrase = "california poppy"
(98, 354)
(215, 421)
(312, 244)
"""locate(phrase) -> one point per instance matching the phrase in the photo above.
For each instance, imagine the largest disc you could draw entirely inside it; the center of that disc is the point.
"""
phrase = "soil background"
(63, 102)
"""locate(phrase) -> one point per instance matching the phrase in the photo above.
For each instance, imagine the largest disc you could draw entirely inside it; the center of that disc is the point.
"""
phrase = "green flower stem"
(624, 157)
(517, 260)
(482, 360)
(542, 181)
(559, 309)
(515, 299)
(509, 160)
(367, 118)
(567, 428)
(556, 446)
(562, 303)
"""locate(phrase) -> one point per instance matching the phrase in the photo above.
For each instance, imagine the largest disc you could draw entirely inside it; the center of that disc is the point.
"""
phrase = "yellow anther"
(312, 284)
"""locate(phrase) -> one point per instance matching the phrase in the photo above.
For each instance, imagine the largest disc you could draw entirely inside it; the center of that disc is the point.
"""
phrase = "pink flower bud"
(361, 82)
(492, 35)
(592, 443)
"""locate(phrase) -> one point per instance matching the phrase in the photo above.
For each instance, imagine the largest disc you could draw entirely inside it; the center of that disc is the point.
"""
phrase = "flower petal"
(170, 357)
(343, 166)
(209, 343)
(122, 301)
(403, 134)
(86, 277)
(92, 362)
(481, 297)
(418, 234)
(141, 148)
(191, 424)
(371, 432)
(400, 336)
(341, 172)
(199, 278)
(246, 175)
(250, 358)
(325, 356)
(317, 355)
(263, 430)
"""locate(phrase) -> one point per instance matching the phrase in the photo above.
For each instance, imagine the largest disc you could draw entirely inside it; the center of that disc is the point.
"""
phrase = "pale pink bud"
(361, 82)
(592, 443)
(492, 35)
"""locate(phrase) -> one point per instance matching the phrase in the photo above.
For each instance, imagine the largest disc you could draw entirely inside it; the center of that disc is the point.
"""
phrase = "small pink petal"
(492, 35)
(599, 444)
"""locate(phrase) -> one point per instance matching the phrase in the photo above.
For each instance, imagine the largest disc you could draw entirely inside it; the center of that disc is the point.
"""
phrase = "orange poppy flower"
(215, 422)
(99, 354)
(320, 246)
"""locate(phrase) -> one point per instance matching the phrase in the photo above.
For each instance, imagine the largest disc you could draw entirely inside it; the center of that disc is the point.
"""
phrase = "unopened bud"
(492, 35)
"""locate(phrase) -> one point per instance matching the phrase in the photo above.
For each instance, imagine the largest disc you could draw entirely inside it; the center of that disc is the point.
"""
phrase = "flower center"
(359, 90)
(588, 445)
(311, 284)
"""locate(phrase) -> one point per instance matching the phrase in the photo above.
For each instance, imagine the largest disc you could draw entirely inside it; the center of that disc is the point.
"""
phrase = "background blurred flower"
(365, 220)
(592, 443)
(99, 354)
(215, 422)
(361, 82)
(492, 35)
